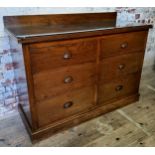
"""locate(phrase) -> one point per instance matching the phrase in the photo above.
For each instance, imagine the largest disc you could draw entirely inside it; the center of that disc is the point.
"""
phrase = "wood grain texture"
(45, 25)
(30, 86)
(77, 68)
(53, 109)
(120, 65)
(52, 83)
(129, 134)
(71, 121)
(118, 88)
(38, 28)
(123, 43)
(117, 128)
(52, 55)
(61, 19)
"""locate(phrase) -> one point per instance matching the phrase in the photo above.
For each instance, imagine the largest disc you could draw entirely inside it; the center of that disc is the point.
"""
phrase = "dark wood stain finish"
(75, 67)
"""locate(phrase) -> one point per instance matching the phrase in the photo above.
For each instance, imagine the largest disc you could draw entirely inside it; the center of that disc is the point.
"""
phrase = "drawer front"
(123, 43)
(114, 67)
(119, 88)
(65, 105)
(46, 56)
(58, 81)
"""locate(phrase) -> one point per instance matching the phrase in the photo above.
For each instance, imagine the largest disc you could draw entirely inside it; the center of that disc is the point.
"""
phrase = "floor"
(133, 125)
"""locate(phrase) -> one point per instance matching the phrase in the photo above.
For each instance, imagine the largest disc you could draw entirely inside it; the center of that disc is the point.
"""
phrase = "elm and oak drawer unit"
(72, 71)
(65, 74)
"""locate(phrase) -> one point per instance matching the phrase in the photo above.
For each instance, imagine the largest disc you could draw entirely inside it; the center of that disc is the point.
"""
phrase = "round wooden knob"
(68, 79)
(68, 104)
(119, 88)
(67, 55)
(121, 66)
(124, 45)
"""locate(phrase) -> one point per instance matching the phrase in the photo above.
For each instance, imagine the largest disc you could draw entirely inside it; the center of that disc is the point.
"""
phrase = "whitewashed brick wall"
(126, 16)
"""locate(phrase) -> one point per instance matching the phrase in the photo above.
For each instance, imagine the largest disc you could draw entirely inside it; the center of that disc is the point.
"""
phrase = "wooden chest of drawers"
(73, 67)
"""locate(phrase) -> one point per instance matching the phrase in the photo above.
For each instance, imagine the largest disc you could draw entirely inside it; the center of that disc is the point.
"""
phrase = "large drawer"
(115, 67)
(119, 87)
(47, 56)
(55, 82)
(123, 43)
(65, 105)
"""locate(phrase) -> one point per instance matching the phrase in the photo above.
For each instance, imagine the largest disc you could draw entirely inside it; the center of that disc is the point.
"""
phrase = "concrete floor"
(133, 125)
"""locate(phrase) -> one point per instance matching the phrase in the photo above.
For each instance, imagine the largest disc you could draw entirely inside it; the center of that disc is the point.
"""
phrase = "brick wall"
(126, 16)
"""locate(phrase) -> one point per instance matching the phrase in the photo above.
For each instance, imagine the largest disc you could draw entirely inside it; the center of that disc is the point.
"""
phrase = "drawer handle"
(119, 88)
(121, 66)
(67, 55)
(124, 45)
(68, 79)
(68, 104)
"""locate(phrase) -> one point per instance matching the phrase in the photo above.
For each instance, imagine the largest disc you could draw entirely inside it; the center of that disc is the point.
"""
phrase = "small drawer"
(114, 67)
(119, 87)
(65, 105)
(47, 56)
(123, 43)
(58, 81)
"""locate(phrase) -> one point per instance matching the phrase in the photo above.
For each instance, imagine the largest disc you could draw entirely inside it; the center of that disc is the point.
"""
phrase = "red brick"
(8, 66)
(6, 51)
(21, 79)
(13, 50)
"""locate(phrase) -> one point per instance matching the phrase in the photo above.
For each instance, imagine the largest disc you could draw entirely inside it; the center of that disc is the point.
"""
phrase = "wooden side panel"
(20, 77)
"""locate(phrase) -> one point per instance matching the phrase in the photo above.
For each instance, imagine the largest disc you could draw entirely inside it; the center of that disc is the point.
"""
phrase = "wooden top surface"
(35, 28)
(44, 30)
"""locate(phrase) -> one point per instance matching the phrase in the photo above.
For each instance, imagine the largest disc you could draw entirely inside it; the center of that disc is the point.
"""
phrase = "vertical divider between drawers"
(97, 70)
